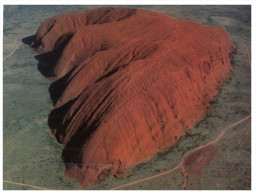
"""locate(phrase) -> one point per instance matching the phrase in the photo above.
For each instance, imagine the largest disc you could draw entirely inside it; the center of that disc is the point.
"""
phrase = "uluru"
(126, 84)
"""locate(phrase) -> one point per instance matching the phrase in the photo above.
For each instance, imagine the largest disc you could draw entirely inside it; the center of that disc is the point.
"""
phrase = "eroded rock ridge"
(127, 83)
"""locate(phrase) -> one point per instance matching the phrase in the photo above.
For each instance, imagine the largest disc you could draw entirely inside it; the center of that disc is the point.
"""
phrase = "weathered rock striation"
(127, 83)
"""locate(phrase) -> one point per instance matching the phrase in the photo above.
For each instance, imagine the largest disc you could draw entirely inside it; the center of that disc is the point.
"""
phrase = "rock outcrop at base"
(127, 83)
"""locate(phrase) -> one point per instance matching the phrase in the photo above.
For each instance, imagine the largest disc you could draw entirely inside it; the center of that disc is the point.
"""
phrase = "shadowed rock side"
(127, 83)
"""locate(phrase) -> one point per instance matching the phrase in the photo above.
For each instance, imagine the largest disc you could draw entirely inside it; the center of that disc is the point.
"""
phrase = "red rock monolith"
(127, 83)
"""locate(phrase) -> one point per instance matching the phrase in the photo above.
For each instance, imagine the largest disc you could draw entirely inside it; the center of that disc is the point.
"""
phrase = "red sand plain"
(127, 83)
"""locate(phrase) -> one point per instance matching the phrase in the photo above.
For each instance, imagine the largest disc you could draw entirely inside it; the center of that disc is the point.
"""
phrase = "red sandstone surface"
(195, 162)
(127, 83)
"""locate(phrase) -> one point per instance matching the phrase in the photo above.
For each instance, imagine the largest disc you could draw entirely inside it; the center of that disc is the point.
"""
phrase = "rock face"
(127, 83)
